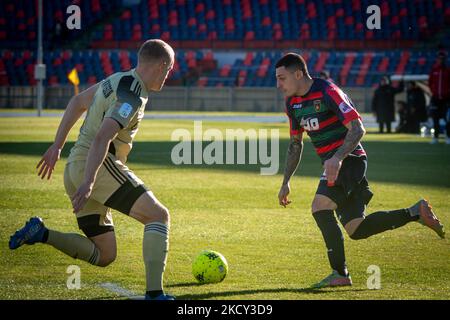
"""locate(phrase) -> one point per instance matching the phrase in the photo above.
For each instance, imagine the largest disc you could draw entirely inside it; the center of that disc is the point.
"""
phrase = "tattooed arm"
(354, 135)
(293, 157)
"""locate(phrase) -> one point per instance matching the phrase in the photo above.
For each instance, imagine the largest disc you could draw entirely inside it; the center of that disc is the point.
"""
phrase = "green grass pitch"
(273, 252)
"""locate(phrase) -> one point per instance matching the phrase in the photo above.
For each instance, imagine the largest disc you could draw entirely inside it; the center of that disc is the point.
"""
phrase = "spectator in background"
(416, 107)
(439, 83)
(383, 103)
(403, 114)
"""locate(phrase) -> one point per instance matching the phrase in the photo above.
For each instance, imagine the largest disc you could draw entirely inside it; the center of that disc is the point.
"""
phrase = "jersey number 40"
(311, 124)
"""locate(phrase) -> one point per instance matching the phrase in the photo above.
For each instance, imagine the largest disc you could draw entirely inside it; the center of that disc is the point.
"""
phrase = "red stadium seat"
(31, 35)
(209, 55)
(356, 5)
(248, 59)
(367, 61)
(404, 58)
(173, 18)
(57, 62)
(125, 15)
(278, 35)
(202, 81)
(249, 35)
(165, 36)
(210, 15)
(53, 80)
(137, 33)
(124, 58)
(282, 5)
(212, 35)
(382, 67)
(345, 70)
(79, 67)
(385, 11)
(95, 6)
(349, 21)
(323, 57)
(192, 64)
(20, 15)
(225, 70)
(66, 55)
(229, 24)
(92, 80)
(7, 55)
(156, 28)
(266, 21)
(421, 61)
(18, 62)
(200, 7)
(192, 22)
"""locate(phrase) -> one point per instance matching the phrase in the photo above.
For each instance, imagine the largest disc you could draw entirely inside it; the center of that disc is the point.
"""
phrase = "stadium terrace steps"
(212, 68)
(269, 22)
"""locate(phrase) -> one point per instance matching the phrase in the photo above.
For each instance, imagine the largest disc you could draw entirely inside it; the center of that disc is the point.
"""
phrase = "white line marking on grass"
(115, 288)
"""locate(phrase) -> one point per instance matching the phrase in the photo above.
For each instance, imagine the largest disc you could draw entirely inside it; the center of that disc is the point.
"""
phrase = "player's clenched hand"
(283, 195)
(48, 161)
(80, 197)
(332, 167)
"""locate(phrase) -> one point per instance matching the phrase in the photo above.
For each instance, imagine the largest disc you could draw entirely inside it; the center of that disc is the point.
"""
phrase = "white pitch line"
(115, 288)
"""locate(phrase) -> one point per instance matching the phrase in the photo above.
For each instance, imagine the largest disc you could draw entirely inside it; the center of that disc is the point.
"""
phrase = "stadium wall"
(171, 98)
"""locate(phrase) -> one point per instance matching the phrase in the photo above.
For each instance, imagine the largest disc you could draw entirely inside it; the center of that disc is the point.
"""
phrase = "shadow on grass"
(225, 294)
(415, 163)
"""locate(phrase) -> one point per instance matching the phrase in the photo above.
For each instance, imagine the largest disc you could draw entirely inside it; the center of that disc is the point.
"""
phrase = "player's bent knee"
(159, 214)
(106, 259)
(351, 228)
(107, 248)
(322, 203)
(148, 209)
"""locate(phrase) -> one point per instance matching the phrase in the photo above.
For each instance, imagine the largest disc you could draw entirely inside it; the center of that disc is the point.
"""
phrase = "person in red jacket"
(439, 83)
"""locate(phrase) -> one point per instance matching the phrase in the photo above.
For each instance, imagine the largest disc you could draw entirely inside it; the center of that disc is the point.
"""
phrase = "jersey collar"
(144, 88)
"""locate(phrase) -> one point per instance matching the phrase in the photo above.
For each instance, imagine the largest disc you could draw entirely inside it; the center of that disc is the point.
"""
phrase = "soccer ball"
(210, 267)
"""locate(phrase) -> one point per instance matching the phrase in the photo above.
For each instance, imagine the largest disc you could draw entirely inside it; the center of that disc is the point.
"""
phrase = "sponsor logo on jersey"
(107, 88)
(125, 110)
(297, 106)
(345, 108)
(316, 105)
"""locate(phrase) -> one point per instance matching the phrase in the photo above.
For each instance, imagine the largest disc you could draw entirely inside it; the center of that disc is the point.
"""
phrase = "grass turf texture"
(273, 252)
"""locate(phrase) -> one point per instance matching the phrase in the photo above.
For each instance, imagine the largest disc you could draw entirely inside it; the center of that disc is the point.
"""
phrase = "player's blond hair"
(154, 50)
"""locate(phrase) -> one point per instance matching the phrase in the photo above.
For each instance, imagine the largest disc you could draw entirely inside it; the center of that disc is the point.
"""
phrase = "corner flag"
(73, 77)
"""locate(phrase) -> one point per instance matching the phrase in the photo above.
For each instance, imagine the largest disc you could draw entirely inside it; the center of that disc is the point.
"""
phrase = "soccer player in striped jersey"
(96, 177)
(330, 119)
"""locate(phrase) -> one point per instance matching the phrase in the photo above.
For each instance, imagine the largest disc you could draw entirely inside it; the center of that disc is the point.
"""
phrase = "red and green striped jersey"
(323, 113)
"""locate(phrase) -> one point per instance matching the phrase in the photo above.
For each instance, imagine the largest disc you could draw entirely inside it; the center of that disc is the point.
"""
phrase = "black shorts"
(351, 191)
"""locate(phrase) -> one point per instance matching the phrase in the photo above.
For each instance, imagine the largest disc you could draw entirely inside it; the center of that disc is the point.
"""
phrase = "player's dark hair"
(293, 62)
(155, 50)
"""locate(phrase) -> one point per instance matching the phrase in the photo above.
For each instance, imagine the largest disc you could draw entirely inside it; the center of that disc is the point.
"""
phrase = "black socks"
(380, 221)
(334, 240)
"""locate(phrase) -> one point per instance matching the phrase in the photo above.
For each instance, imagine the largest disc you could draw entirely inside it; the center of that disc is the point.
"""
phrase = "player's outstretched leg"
(72, 244)
(427, 217)
(381, 221)
(33, 232)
